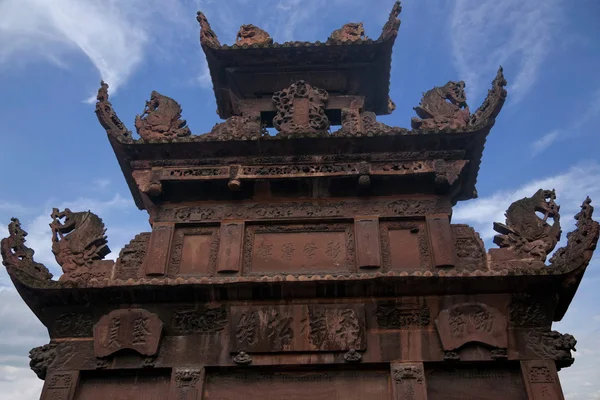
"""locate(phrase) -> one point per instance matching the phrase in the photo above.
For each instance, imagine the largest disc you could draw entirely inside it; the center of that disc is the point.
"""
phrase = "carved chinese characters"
(161, 119)
(541, 380)
(301, 111)
(298, 328)
(367, 242)
(230, 251)
(60, 386)
(402, 316)
(134, 329)
(471, 322)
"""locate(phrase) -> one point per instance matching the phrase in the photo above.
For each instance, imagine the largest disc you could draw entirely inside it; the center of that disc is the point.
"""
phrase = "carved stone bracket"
(301, 111)
(552, 345)
(161, 119)
(249, 35)
(20, 257)
(134, 329)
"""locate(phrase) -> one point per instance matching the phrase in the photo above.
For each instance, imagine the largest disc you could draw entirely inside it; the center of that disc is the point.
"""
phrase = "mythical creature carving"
(391, 27)
(301, 111)
(349, 33)
(208, 37)
(580, 243)
(552, 345)
(108, 117)
(16, 255)
(237, 128)
(161, 119)
(251, 34)
(526, 234)
(445, 108)
(41, 358)
(79, 241)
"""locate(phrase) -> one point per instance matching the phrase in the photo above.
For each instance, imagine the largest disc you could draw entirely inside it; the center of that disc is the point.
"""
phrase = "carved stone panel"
(134, 329)
(158, 250)
(204, 320)
(368, 249)
(230, 250)
(131, 258)
(408, 381)
(472, 322)
(60, 386)
(186, 384)
(541, 380)
(442, 243)
(482, 383)
(392, 315)
(299, 249)
(124, 385)
(470, 251)
(298, 385)
(326, 327)
(405, 246)
(194, 251)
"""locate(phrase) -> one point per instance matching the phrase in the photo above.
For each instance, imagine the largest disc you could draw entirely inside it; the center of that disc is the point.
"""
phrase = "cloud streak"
(513, 33)
(544, 142)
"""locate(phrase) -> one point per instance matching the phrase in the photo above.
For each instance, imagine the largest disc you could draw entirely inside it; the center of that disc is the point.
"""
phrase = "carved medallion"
(301, 111)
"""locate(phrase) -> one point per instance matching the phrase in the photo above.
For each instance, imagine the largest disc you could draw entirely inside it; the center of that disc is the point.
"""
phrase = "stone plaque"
(195, 255)
(404, 248)
(124, 385)
(327, 327)
(60, 385)
(230, 250)
(301, 111)
(368, 249)
(472, 322)
(158, 250)
(442, 242)
(298, 385)
(484, 383)
(300, 251)
(541, 380)
(134, 329)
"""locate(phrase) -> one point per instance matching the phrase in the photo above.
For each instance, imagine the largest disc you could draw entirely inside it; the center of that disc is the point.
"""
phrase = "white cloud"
(592, 111)
(544, 142)
(513, 33)
(114, 35)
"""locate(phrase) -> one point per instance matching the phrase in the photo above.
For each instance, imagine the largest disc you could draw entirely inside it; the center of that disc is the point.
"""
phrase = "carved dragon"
(16, 255)
(526, 234)
(79, 241)
(208, 37)
(391, 27)
(349, 33)
(251, 34)
(108, 117)
(161, 119)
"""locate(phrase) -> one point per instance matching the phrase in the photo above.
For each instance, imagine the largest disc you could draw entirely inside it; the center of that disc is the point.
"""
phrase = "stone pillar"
(541, 380)
(60, 385)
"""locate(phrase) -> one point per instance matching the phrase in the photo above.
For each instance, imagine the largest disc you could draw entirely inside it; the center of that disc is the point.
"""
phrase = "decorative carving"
(16, 255)
(472, 322)
(187, 378)
(131, 258)
(108, 118)
(404, 372)
(250, 34)
(208, 37)
(349, 33)
(540, 374)
(399, 316)
(450, 355)
(238, 128)
(161, 119)
(470, 250)
(580, 243)
(42, 358)
(242, 358)
(492, 104)
(443, 108)
(79, 241)
(526, 310)
(134, 329)
(74, 325)
(552, 345)
(301, 111)
(499, 354)
(391, 27)
(352, 356)
(200, 321)
(526, 235)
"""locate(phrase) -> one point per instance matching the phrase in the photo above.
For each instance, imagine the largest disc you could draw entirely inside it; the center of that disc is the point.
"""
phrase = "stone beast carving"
(79, 241)
(208, 37)
(301, 111)
(161, 119)
(108, 117)
(16, 255)
(349, 33)
(251, 34)
(527, 235)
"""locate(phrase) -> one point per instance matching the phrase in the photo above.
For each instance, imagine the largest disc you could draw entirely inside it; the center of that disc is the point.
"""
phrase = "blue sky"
(54, 53)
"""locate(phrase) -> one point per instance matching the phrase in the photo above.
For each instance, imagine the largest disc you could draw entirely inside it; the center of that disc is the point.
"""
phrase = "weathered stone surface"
(349, 33)
(161, 119)
(301, 110)
(250, 34)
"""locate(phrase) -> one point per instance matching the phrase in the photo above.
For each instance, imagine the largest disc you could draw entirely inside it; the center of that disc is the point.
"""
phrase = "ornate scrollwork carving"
(132, 256)
(445, 108)
(79, 241)
(161, 119)
(349, 33)
(237, 128)
(251, 34)
(527, 235)
(404, 372)
(16, 255)
(108, 117)
(580, 243)
(301, 111)
(208, 37)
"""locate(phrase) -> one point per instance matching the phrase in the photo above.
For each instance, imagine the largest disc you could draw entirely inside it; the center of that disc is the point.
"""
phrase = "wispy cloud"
(591, 112)
(113, 34)
(513, 33)
(544, 142)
